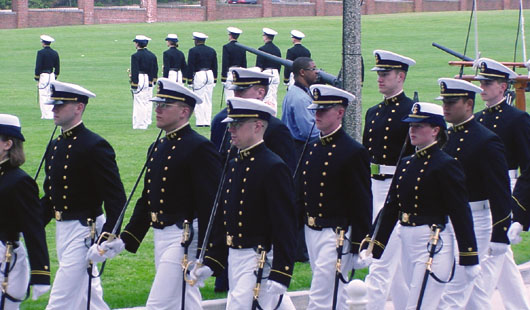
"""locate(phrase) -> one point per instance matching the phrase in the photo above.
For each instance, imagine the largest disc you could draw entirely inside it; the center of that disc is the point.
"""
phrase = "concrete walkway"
(300, 298)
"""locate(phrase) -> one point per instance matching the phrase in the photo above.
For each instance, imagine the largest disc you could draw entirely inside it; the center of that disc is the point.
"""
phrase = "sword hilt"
(105, 236)
(370, 247)
(7, 261)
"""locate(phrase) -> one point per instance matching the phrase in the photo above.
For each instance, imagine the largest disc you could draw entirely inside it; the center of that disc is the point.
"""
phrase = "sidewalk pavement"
(300, 298)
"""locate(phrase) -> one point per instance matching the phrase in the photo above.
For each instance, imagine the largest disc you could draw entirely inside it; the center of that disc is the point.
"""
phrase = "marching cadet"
(179, 185)
(233, 57)
(270, 67)
(21, 214)
(174, 60)
(252, 84)
(202, 74)
(47, 69)
(298, 50)
(383, 136)
(144, 72)
(256, 213)
(81, 176)
(335, 181)
(481, 154)
(429, 189)
(513, 127)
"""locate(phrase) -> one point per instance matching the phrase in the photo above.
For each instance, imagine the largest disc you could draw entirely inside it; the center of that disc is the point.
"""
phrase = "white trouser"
(414, 256)
(142, 107)
(322, 250)
(291, 80)
(458, 291)
(18, 277)
(203, 84)
(70, 286)
(502, 272)
(229, 78)
(166, 291)
(242, 263)
(175, 76)
(272, 94)
(45, 80)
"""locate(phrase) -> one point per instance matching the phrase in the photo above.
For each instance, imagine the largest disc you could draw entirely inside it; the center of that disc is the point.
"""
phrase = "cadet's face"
(422, 134)
(170, 116)
(66, 115)
(389, 82)
(311, 73)
(243, 133)
(456, 110)
(327, 120)
(492, 91)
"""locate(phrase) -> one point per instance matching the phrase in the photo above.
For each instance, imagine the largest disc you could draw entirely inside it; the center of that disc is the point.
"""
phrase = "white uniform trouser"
(175, 76)
(242, 263)
(501, 272)
(229, 78)
(414, 256)
(69, 290)
(45, 80)
(18, 275)
(272, 94)
(203, 84)
(458, 291)
(385, 274)
(142, 107)
(166, 291)
(322, 250)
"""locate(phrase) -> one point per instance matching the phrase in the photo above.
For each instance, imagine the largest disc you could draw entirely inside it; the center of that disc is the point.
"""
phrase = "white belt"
(383, 169)
(513, 174)
(479, 205)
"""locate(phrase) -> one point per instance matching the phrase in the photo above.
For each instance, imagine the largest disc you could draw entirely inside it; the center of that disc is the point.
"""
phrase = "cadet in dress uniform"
(180, 184)
(47, 68)
(144, 72)
(233, 57)
(335, 186)
(21, 214)
(428, 189)
(270, 67)
(174, 60)
(481, 154)
(202, 74)
(298, 50)
(256, 211)
(81, 176)
(513, 127)
(252, 84)
(384, 135)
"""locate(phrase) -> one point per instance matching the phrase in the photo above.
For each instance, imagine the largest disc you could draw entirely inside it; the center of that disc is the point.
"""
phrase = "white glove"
(39, 290)
(275, 288)
(497, 248)
(112, 248)
(472, 271)
(514, 233)
(93, 254)
(362, 260)
(199, 274)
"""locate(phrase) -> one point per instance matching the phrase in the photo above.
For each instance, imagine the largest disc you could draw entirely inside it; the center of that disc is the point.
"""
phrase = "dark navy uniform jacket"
(233, 56)
(384, 133)
(21, 213)
(277, 138)
(180, 183)
(81, 175)
(336, 186)
(201, 57)
(256, 208)
(174, 59)
(513, 127)
(298, 50)
(429, 186)
(47, 62)
(143, 62)
(481, 154)
(265, 63)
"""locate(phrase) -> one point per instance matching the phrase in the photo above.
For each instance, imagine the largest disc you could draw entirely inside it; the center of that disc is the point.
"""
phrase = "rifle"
(185, 243)
(7, 261)
(452, 52)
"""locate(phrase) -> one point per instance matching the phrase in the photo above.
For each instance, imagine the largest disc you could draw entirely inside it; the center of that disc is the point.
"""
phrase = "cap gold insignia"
(483, 67)
(377, 58)
(416, 109)
(234, 76)
(442, 87)
(316, 94)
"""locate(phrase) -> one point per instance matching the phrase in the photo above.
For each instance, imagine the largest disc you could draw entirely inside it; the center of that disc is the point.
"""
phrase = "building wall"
(8, 20)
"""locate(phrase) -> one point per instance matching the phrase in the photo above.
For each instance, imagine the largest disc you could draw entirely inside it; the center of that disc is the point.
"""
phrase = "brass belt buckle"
(311, 221)
(58, 215)
(154, 217)
(229, 240)
(405, 217)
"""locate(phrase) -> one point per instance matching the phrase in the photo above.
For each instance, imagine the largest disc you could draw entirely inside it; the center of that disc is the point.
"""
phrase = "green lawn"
(98, 56)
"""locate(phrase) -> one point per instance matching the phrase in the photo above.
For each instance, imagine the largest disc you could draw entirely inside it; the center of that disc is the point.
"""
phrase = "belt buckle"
(405, 217)
(229, 240)
(375, 168)
(58, 215)
(311, 221)
(154, 217)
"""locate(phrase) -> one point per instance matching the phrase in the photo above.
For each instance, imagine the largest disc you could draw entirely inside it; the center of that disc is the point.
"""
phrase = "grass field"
(98, 56)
